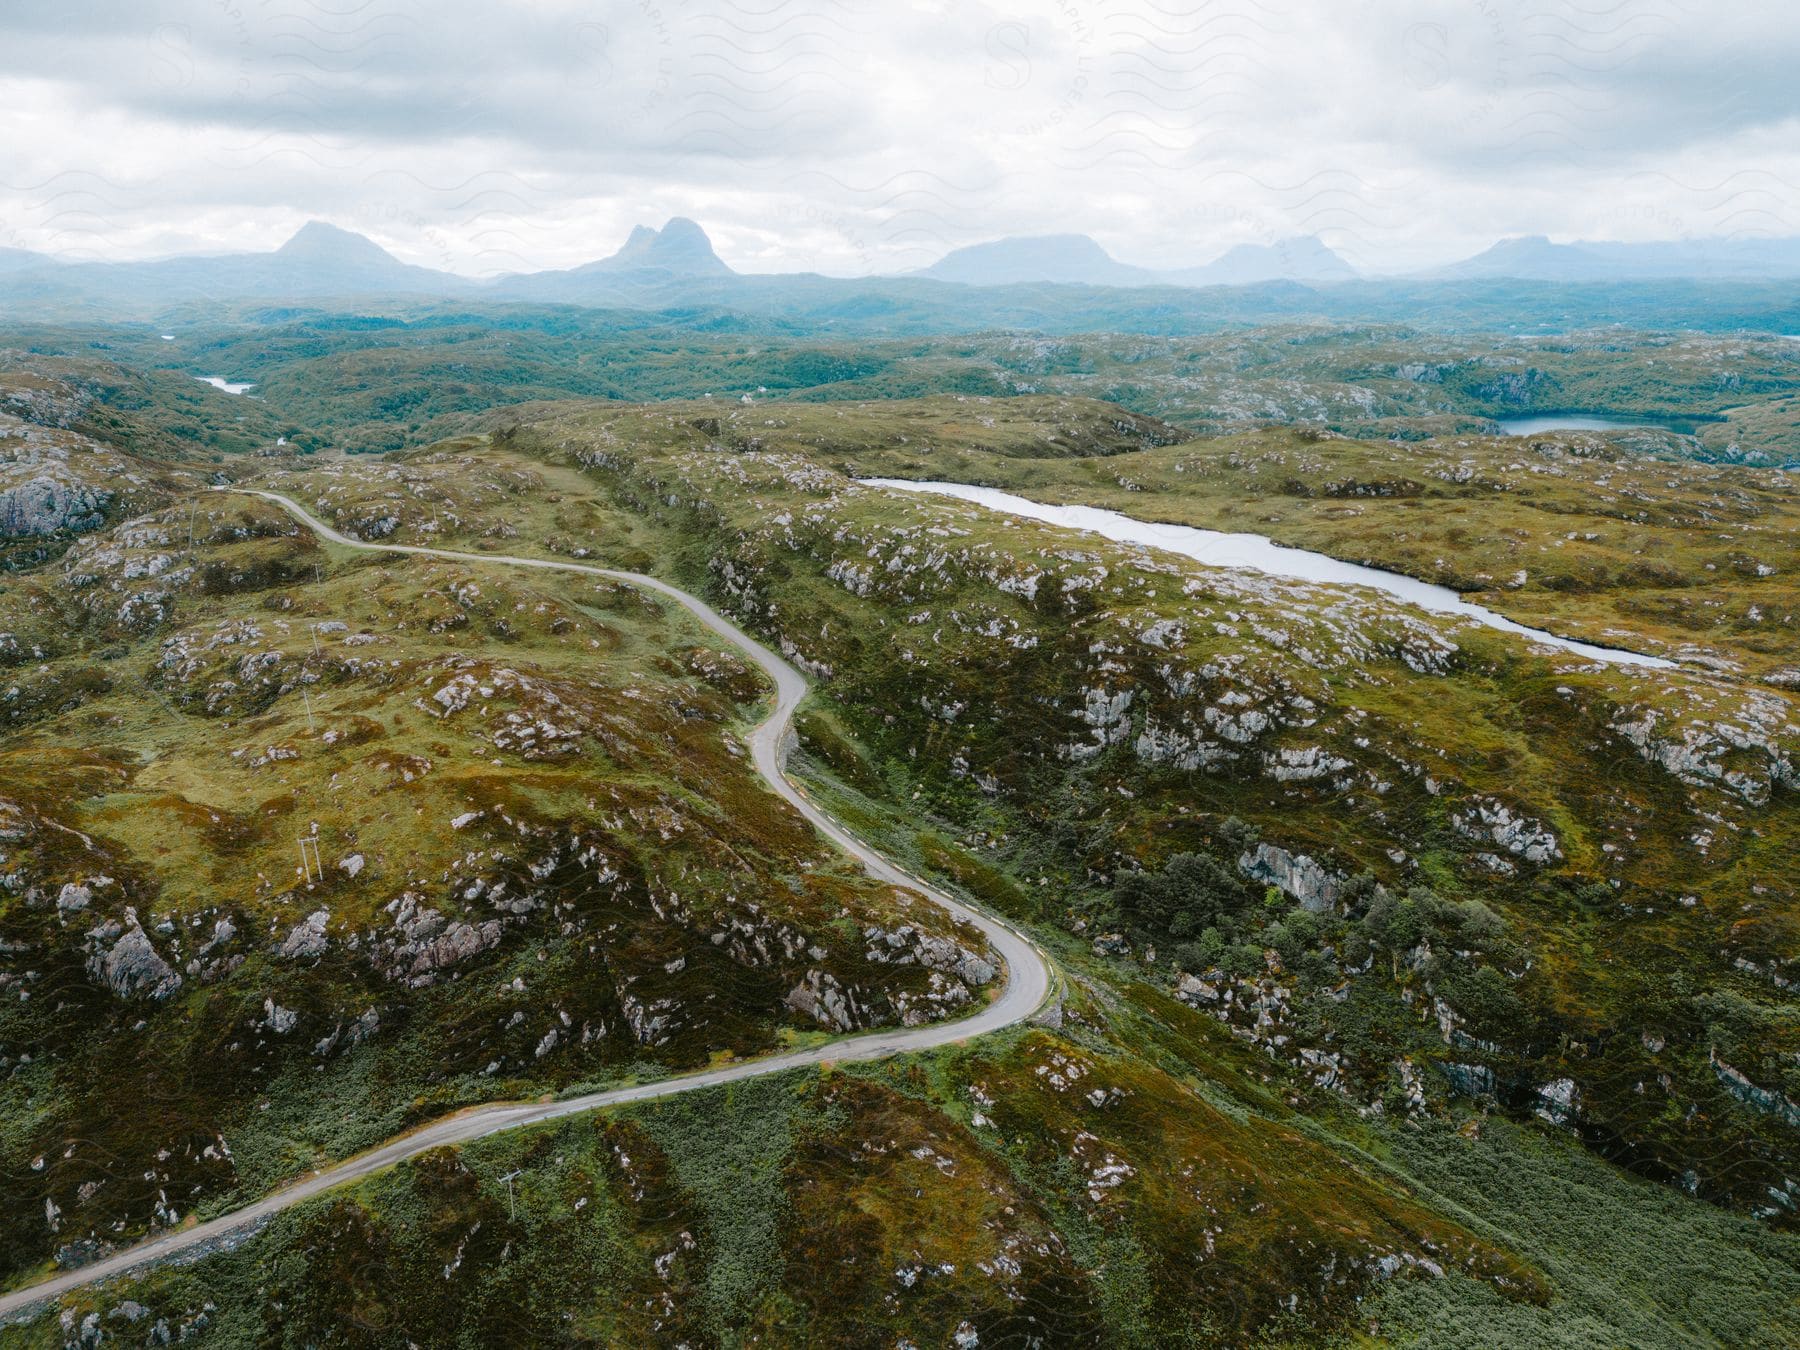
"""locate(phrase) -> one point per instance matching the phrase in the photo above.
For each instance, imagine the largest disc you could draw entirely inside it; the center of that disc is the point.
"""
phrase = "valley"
(351, 822)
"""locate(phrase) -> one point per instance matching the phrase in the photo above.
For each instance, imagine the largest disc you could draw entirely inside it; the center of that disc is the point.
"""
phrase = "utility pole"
(310, 862)
(511, 1209)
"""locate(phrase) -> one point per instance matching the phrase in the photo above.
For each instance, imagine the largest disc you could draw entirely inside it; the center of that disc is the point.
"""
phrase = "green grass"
(1628, 1262)
(943, 682)
(1144, 1174)
(194, 769)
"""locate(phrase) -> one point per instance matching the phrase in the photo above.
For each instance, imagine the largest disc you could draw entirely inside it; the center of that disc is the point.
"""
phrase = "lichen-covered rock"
(423, 942)
(1559, 1102)
(307, 938)
(45, 504)
(131, 966)
(906, 944)
(1747, 750)
(821, 997)
(1469, 1080)
(1486, 819)
(1738, 1084)
(56, 481)
(652, 1022)
(1300, 876)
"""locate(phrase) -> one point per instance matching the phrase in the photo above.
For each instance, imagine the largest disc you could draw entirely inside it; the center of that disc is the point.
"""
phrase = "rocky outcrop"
(820, 997)
(1559, 1102)
(44, 504)
(1746, 753)
(1738, 1084)
(1485, 819)
(307, 939)
(423, 942)
(1306, 880)
(125, 960)
(906, 945)
(942, 954)
(653, 1022)
(1181, 746)
(1106, 712)
(56, 481)
(1469, 1080)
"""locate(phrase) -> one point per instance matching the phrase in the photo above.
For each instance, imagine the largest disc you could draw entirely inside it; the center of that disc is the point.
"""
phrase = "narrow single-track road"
(1027, 971)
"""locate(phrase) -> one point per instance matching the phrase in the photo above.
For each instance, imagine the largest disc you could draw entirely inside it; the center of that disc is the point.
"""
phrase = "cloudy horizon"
(808, 135)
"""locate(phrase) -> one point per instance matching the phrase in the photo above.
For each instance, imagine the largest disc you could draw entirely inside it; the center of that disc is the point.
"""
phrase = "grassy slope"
(168, 732)
(953, 1190)
(785, 1209)
(970, 680)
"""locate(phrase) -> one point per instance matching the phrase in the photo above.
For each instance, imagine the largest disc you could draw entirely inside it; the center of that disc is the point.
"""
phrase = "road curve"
(1027, 969)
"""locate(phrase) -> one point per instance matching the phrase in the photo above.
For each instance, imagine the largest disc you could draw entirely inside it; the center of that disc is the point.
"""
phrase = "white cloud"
(828, 135)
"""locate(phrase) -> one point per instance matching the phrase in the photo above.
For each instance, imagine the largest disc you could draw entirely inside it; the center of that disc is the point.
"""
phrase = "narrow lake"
(219, 382)
(1252, 552)
(1528, 426)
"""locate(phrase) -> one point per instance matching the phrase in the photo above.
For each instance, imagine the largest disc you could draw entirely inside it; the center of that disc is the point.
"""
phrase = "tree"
(1192, 892)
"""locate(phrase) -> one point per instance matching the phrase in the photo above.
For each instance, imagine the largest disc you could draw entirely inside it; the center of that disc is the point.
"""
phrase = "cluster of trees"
(1199, 909)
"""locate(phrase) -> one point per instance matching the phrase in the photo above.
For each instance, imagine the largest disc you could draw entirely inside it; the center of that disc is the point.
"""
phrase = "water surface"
(219, 382)
(1529, 426)
(1253, 552)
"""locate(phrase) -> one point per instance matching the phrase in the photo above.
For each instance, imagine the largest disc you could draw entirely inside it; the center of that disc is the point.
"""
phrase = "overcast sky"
(488, 135)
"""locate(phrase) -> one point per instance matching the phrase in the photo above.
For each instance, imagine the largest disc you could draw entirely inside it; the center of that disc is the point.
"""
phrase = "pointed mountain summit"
(637, 244)
(319, 243)
(680, 248)
(323, 259)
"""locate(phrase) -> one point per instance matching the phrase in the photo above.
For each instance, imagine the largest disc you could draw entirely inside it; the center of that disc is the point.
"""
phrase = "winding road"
(1026, 988)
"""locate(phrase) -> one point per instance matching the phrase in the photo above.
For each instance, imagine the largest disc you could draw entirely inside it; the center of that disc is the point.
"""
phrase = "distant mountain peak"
(18, 260)
(318, 242)
(1527, 244)
(1535, 257)
(680, 247)
(1061, 258)
(680, 228)
(1033, 258)
(1302, 257)
(1527, 255)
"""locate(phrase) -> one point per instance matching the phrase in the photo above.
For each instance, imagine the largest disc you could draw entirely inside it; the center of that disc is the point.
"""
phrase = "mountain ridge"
(1054, 280)
(1056, 259)
(1536, 257)
(1079, 259)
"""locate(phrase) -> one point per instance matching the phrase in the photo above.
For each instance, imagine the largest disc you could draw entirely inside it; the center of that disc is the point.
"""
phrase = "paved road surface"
(1026, 969)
